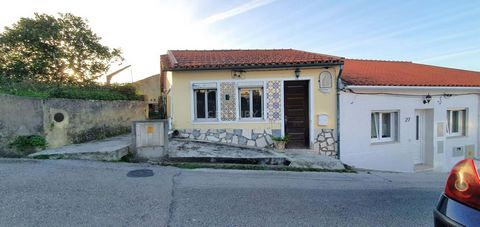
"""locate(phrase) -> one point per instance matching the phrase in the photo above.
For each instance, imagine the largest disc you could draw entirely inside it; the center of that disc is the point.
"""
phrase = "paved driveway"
(83, 193)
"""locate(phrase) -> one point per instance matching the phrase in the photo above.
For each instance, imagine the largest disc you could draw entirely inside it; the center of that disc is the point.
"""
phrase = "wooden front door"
(297, 114)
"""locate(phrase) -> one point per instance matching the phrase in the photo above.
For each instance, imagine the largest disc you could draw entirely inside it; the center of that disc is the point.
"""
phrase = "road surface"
(87, 193)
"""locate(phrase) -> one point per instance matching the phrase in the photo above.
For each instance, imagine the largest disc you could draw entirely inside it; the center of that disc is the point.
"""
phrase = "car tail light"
(463, 183)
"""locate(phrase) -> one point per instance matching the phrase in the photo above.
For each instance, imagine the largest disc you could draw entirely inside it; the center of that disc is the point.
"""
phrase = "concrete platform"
(308, 160)
(111, 149)
(184, 150)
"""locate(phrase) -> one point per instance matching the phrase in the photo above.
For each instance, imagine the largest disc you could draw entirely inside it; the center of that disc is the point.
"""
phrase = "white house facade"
(422, 121)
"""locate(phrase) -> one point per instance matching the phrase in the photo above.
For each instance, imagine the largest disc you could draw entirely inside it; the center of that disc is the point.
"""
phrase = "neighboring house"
(150, 89)
(402, 116)
(247, 96)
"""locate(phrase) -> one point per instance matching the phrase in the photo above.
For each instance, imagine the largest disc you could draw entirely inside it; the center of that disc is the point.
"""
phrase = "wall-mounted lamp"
(238, 74)
(297, 73)
(427, 99)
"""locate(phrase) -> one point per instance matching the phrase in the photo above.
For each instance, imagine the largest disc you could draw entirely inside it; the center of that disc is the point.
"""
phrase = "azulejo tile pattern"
(274, 100)
(229, 107)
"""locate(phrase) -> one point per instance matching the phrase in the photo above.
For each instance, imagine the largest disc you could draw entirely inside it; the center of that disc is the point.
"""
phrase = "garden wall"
(65, 121)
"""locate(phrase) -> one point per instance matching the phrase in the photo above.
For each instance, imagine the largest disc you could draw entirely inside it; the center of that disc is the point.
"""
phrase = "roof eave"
(411, 88)
(250, 67)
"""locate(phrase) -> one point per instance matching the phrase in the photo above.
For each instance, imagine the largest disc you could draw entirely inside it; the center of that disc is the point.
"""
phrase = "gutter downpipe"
(339, 82)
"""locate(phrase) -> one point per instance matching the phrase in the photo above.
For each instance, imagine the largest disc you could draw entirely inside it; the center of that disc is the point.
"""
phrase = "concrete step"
(111, 149)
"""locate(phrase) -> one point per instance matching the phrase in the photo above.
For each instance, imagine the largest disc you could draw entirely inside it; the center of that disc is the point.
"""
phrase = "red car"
(459, 205)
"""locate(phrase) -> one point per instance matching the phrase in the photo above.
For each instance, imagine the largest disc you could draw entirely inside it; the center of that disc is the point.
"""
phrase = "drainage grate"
(140, 173)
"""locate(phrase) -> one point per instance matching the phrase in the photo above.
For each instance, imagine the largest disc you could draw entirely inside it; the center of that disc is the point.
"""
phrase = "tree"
(48, 49)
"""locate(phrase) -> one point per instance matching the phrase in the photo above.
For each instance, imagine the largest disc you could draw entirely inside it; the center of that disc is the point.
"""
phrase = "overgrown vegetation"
(90, 91)
(28, 144)
(128, 158)
(99, 133)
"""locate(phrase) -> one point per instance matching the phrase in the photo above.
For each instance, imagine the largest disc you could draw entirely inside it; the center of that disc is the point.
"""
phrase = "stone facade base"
(325, 142)
(249, 137)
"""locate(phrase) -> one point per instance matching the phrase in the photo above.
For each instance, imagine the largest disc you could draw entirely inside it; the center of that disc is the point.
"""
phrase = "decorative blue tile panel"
(228, 101)
(274, 100)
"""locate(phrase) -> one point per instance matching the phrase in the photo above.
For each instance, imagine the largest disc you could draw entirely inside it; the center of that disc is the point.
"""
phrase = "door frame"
(310, 106)
(421, 135)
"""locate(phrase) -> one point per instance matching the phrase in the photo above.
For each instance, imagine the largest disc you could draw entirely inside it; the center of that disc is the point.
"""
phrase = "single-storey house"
(247, 96)
(402, 116)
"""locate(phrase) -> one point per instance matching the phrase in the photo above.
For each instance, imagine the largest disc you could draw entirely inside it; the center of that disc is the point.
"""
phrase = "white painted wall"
(357, 150)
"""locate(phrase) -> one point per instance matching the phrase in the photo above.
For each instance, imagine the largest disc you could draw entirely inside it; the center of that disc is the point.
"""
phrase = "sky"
(435, 32)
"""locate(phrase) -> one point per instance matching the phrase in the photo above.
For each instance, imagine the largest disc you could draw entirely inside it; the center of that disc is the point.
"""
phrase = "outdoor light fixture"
(297, 73)
(238, 74)
(427, 99)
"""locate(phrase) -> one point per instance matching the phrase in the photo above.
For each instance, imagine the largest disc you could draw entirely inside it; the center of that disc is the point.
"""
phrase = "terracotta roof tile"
(238, 59)
(400, 73)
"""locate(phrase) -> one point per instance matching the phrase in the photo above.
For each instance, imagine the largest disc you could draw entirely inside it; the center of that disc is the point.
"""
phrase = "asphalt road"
(84, 193)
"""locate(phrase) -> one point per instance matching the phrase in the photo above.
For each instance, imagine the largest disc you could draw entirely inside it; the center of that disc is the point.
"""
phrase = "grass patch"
(43, 156)
(128, 158)
(189, 165)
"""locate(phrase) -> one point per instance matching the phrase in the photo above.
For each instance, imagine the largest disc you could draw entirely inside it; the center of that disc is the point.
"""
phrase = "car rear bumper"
(442, 220)
(452, 213)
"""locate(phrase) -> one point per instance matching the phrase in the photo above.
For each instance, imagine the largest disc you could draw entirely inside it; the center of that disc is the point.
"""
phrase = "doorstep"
(419, 168)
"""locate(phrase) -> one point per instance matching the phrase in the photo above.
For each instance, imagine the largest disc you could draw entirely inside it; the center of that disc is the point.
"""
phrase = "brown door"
(297, 114)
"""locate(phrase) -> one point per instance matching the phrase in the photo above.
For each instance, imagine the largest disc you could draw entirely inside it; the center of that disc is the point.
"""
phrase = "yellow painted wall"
(169, 95)
(323, 103)
(150, 88)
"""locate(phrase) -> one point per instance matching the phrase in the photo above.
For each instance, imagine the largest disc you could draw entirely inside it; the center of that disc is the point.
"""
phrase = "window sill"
(205, 121)
(252, 120)
(455, 136)
(383, 142)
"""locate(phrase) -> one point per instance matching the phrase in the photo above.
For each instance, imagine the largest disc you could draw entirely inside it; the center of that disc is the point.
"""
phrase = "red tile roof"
(239, 59)
(400, 73)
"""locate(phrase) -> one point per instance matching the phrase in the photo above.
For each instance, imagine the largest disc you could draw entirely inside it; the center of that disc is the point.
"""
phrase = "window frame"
(262, 97)
(207, 118)
(394, 127)
(462, 122)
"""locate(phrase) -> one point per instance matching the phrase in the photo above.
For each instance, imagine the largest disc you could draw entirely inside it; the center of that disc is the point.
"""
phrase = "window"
(251, 103)
(384, 126)
(457, 122)
(205, 103)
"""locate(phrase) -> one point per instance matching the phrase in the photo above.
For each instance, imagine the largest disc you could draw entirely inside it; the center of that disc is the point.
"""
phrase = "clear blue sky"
(432, 32)
(445, 33)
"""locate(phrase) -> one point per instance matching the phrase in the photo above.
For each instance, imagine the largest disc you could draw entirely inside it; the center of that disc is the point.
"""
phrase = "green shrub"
(280, 139)
(29, 143)
(92, 91)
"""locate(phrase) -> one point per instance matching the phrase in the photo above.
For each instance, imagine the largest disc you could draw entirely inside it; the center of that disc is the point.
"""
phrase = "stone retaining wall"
(64, 121)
